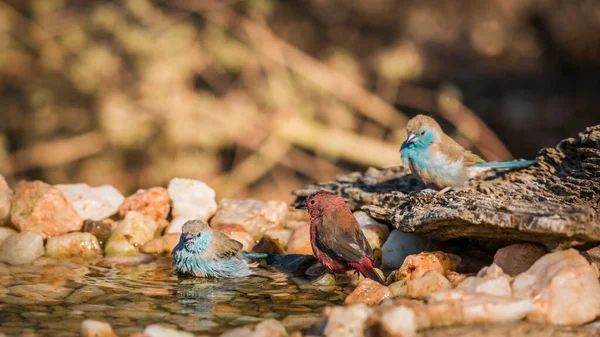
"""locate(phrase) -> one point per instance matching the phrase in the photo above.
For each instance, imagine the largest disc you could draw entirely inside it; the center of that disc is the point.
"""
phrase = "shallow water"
(51, 298)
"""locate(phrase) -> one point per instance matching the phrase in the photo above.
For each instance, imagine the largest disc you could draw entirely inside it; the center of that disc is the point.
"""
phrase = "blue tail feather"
(256, 256)
(506, 164)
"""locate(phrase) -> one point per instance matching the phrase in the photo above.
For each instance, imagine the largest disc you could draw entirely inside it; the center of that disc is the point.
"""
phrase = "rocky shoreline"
(508, 254)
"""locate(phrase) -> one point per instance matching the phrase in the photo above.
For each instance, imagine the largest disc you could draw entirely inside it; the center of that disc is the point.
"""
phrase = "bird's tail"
(369, 272)
(256, 256)
(505, 164)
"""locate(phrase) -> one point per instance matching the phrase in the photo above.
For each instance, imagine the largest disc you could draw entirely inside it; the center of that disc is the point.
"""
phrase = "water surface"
(51, 298)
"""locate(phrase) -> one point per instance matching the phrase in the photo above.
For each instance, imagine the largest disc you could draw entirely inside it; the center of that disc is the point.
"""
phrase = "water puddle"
(51, 298)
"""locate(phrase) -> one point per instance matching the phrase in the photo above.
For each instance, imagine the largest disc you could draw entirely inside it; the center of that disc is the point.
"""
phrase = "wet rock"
(255, 216)
(399, 318)
(192, 199)
(490, 280)
(299, 242)
(130, 234)
(563, 287)
(84, 294)
(22, 248)
(368, 292)
(553, 202)
(432, 281)
(6, 232)
(326, 279)
(517, 258)
(100, 229)
(281, 236)
(269, 328)
(347, 321)
(40, 208)
(417, 265)
(153, 202)
(92, 328)
(375, 232)
(95, 203)
(456, 307)
(79, 245)
(295, 264)
(156, 330)
(269, 246)
(398, 246)
(6, 195)
(161, 245)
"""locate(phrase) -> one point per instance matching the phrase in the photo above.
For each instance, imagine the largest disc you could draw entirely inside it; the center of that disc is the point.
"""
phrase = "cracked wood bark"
(555, 202)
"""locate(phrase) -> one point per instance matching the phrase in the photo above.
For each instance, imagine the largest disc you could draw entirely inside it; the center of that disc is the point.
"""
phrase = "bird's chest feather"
(433, 168)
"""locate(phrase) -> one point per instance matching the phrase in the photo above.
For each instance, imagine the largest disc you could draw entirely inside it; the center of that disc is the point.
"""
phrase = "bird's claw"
(444, 190)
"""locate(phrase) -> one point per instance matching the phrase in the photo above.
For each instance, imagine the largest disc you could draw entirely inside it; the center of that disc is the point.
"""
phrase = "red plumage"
(335, 236)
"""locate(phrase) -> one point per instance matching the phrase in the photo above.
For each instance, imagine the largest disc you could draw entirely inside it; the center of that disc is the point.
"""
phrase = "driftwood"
(555, 202)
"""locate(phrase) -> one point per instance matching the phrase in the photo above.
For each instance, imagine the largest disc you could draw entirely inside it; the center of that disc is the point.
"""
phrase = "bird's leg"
(444, 190)
(357, 274)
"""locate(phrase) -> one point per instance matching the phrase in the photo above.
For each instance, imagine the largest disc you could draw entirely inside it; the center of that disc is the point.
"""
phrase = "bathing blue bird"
(205, 252)
(440, 162)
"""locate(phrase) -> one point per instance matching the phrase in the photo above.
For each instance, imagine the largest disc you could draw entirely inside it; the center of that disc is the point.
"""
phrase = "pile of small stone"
(559, 288)
(77, 221)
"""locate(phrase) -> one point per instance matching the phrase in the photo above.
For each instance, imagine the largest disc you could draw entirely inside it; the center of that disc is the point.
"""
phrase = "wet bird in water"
(205, 252)
(440, 162)
(335, 236)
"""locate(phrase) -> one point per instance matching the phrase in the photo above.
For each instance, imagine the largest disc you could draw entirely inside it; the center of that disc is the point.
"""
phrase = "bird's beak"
(302, 205)
(411, 138)
(187, 236)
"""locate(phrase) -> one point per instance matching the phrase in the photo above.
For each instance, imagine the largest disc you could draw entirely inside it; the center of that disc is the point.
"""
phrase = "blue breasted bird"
(205, 252)
(440, 162)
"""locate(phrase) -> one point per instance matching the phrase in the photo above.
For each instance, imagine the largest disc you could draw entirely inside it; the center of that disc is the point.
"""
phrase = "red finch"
(335, 235)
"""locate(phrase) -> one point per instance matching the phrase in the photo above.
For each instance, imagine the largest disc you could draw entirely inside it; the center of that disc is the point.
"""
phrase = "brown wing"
(454, 151)
(342, 238)
(223, 246)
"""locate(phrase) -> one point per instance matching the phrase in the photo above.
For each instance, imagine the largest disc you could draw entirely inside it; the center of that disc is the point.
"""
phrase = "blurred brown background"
(257, 97)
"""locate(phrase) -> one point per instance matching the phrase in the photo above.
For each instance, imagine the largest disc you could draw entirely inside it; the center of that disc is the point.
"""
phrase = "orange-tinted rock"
(455, 278)
(153, 202)
(160, 245)
(431, 282)
(517, 258)
(40, 208)
(296, 218)
(417, 265)
(300, 241)
(255, 216)
(237, 233)
(368, 292)
(563, 287)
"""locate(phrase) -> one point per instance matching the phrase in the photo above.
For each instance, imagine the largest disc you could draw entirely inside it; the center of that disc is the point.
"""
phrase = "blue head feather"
(415, 146)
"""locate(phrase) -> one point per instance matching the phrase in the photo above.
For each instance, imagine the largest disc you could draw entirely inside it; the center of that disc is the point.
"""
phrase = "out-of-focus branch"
(339, 144)
(336, 84)
(58, 152)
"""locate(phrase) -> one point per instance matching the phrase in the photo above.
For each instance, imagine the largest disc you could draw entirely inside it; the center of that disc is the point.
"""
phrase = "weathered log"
(555, 202)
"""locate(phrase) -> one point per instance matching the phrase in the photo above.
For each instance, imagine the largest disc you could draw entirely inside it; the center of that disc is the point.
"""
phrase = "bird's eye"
(422, 133)
(312, 202)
